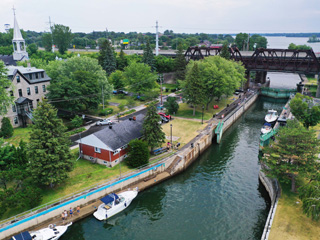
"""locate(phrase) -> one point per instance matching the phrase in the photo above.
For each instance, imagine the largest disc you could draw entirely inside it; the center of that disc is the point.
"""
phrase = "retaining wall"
(172, 165)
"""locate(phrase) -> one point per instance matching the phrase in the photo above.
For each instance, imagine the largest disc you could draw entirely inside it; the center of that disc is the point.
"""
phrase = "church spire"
(19, 46)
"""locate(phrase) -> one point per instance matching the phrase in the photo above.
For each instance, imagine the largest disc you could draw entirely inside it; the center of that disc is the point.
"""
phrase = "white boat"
(113, 204)
(50, 233)
(272, 116)
(266, 128)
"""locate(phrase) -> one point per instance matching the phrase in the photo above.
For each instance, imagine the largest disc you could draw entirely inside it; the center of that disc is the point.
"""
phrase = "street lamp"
(171, 133)
(119, 150)
(202, 113)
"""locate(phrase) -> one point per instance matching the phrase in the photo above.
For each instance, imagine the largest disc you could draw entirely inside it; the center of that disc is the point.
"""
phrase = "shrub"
(105, 112)
(130, 103)
(138, 154)
(121, 107)
(6, 130)
(76, 122)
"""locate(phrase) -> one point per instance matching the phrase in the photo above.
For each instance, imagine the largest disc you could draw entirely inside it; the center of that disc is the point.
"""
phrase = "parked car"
(165, 115)
(120, 92)
(104, 122)
(164, 119)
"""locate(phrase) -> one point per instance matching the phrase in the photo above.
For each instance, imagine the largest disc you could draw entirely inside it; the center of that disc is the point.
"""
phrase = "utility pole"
(161, 78)
(102, 97)
(248, 41)
(107, 33)
(157, 40)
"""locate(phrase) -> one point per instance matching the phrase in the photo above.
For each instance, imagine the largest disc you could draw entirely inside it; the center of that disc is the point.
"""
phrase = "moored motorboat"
(113, 204)
(52, 232)
(271, 117)
(266, 128)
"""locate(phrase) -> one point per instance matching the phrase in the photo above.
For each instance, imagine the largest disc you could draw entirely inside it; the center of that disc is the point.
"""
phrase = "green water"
(218, 197)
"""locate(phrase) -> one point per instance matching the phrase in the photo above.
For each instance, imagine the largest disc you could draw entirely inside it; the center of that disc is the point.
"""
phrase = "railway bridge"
(265, 60)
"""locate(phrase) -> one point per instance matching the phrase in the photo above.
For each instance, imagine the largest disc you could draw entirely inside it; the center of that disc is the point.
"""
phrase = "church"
(29, 83)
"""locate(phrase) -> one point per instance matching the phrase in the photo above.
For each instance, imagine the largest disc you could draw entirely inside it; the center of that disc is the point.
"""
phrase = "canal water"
(218, 197)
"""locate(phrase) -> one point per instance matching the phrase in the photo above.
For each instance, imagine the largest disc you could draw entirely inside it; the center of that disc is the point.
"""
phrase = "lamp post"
(171, 133)
(202, 113)
(119, 150)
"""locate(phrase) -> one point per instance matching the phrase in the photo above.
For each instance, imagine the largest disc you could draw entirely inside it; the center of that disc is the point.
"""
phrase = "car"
(165, 115)
(164, 119)
(120, 92)
(104, 122)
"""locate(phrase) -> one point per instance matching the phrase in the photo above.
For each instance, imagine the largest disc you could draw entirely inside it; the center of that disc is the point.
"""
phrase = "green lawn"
(290, 222)
(185, 110)
(18, 135)
(312, 80)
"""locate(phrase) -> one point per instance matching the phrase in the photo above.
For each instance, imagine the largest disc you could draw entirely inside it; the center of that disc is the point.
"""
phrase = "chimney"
(28, 64)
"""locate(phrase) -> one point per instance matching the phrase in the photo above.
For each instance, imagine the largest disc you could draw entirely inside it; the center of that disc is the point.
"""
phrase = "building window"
(15, 120)
(44, 88)
(36, 75)
(28, 91)
(97, 150)
(20, 92)
(14, 108)
(38, 101)
(116, 152)
(42, 75)
(36, 90)
(11, 93)
(30, 76)
(18, 78)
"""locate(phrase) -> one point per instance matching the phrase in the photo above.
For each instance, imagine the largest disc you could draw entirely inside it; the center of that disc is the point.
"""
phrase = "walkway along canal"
(218, 197)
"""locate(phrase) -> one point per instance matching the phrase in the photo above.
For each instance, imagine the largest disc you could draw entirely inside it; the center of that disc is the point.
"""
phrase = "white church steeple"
(19, 46)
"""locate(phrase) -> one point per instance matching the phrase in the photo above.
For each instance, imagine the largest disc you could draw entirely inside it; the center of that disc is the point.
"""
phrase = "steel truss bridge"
(265, 60)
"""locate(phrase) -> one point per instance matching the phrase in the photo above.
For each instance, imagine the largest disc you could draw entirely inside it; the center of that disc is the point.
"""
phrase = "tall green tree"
(32, 49)
(304, 109)
(77, 83)
(106, 57)
(139, 78)
(257, 41)
(122, 61)
(117, 79)
(171, 105)
(310, 196)
(148, 57)
(293, 153)
(293, 46)
(152, 130)
(5, 84)
(180, 63)
(48, 151)
(138, 154)
(193, 88)
(242, 40)
(225, 52)
(62, 37)
(6, 130)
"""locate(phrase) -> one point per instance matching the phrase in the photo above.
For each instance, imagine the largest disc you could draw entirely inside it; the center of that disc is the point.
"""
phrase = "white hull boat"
(50, 233)
(271, 117)
(266, 128)
(113, 204)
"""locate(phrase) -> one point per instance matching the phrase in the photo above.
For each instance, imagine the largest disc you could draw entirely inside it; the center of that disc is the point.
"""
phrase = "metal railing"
(83, 191)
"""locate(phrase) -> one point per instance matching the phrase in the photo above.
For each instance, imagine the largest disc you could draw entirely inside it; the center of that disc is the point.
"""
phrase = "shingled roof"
(8, 60)
(118, 136)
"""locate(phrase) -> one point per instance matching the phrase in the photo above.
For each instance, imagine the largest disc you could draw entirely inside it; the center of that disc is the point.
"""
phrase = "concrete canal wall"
(143, 178)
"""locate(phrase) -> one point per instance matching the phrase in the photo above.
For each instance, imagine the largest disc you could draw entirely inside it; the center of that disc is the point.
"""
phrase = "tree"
(106, 58)
(310, 196)
(138, 154)
(180, 63)
(164, 64)
(225, 52)
(32, 49)
(122, 61)
(47, 41)
(257, 41)
(304, 109)
(117, 79)
(48, 151)
(139, 78)
(171, 105)
(152, 130)
(293, 46)
(293, 153)
(193, 87)
(62, 37)
(78, 82)
(242, 40)
(77, 121)
(5, 84)
(6, 128)
(148, 57)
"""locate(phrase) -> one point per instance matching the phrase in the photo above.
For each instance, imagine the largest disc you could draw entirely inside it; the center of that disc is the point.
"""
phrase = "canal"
(218, 197)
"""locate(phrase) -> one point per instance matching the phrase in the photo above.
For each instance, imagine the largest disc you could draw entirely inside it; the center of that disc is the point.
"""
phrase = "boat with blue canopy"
(267, 127)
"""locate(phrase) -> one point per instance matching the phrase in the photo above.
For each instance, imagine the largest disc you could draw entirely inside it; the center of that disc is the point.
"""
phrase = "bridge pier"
(247, 83)
(261, 77)
(318, 88)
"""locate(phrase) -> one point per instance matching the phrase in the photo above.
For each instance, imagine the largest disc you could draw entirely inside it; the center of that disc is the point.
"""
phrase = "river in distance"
(218, 197)
(283, 42)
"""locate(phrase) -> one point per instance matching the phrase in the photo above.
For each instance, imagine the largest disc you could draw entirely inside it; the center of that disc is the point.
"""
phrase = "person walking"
(78, 210)
(62, 216)
(65, 214)
(70, 212)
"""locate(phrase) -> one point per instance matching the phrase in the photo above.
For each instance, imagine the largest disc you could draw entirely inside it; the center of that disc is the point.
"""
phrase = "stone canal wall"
(143, 178)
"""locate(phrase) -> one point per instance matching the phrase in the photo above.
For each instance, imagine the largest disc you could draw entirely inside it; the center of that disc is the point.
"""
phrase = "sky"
(181, 16)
